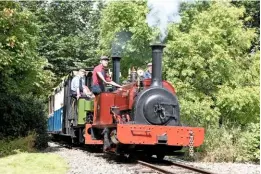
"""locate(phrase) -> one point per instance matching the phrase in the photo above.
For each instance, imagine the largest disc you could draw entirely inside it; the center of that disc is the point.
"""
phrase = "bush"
(248, 144)
(10, 146)
(231, 144)
(41, 140)
(21, 115)
(219, 144)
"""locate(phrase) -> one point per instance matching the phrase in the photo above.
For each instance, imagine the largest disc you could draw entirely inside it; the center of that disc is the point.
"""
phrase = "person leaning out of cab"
(78, 87)
(100, 77)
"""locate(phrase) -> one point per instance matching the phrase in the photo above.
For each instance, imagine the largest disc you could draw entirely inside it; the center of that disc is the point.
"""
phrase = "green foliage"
(231, 144)
(21, 67)
(239, 105)
(123, 24)
(217, 79)
(251, 18)
(219, 145)
(205, 64)
(188, 12)
(252, 13)
(69, 34)
(21, 115)
(12, 146)
(248, 144)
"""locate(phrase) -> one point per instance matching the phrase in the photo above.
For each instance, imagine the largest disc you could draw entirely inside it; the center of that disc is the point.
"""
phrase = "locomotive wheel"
(148, 155)
(160, 156)
(81, 135)
(130, 157)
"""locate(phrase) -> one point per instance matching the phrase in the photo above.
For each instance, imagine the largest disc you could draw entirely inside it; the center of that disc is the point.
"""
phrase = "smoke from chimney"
(161, 13)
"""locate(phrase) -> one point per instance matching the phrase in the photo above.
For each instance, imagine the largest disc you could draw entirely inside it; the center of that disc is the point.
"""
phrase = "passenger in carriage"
(100, 77)
(147, 74)
(78, 88)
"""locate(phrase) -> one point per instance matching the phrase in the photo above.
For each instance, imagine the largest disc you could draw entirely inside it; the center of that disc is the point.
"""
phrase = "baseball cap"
(82, 70)
(149, 64)
(104, 58)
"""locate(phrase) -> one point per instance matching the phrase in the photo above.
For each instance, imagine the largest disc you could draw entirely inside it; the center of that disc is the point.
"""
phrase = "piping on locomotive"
(142, 117)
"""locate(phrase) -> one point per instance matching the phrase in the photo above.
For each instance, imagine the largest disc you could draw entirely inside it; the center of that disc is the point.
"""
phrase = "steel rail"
(191, 168)
(154, 167)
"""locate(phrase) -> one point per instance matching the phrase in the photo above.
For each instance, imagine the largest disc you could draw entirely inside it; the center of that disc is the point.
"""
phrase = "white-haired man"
(78, 87)
(147, 74)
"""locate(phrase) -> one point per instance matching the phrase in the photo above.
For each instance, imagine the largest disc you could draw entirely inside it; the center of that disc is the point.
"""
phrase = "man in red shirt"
(99, 77)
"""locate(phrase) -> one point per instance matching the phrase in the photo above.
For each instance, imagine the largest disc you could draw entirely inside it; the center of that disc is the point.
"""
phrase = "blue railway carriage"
(68, 116)
(56, 103)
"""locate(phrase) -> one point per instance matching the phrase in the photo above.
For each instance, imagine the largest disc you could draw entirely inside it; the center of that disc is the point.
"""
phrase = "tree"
(23, 79)
(205, 63)
(21, 67)
(251, 15)
(251, 18)
(69, 33)
(188, 12)
(124, 31)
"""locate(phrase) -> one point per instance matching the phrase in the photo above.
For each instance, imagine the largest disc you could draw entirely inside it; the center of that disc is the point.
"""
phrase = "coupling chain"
(191, 143)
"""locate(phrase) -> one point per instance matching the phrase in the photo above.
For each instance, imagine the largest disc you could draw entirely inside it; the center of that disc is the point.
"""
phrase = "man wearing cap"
(147, 74)
(99, 77)
(78, 87)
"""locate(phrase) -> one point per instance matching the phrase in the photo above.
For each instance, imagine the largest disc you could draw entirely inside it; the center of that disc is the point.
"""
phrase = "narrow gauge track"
(152, 163)
(165, 171)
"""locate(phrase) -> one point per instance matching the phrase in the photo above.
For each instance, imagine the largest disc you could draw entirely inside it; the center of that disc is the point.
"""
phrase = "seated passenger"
(99, 77)
(78, 87)
(147, 74)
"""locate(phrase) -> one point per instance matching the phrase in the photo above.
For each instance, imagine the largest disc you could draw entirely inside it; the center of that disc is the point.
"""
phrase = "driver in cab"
(100, 77)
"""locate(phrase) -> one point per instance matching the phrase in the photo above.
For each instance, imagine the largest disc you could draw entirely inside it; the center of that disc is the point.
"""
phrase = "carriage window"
(51, 104)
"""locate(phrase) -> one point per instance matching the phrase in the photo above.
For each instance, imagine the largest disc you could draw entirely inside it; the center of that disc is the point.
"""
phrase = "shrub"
(10, 146)
(21, 115)
(231, 144)
(248, 144)
(218, 145)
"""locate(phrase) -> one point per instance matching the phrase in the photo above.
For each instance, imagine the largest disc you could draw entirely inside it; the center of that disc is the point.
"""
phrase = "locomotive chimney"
(157, 51)
(116, 68)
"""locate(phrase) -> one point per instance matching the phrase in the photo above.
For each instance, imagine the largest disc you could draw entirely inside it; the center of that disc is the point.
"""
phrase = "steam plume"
(120, 41)
(162, 12)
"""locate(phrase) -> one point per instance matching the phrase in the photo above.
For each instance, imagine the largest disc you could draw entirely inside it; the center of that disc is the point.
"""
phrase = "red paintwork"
(121, 98)
(102, 107)
(133, 133)
(166, 85)
(147, 134)
(124, 99)
(88, 138)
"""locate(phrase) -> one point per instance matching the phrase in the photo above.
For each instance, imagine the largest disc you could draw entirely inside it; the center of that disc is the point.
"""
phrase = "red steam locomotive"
(143, 117)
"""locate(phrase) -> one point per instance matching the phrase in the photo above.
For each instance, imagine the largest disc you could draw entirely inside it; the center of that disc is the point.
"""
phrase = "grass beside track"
(33, 163)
